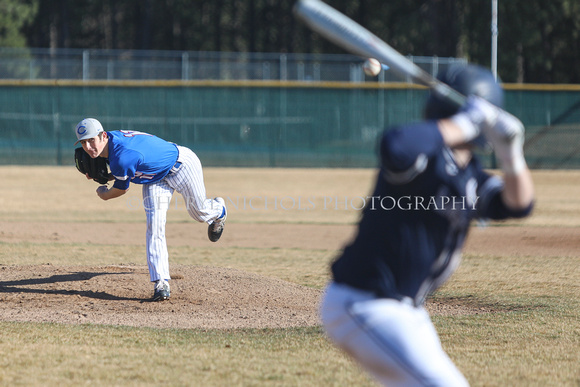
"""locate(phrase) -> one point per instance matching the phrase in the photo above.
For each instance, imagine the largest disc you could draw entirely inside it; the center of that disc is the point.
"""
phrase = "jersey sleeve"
(405, 150)
(124, 170)
(491, 204)
(122, 184)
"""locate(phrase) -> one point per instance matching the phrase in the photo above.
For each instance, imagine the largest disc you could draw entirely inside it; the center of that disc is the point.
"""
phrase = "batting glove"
(507, 139)
(475, 116)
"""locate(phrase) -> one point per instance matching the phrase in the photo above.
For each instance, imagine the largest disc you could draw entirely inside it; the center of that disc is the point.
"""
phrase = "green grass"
(532, 335)
(51, 354)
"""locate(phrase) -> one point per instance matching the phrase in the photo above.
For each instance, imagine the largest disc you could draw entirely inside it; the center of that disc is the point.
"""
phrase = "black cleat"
(215, 230)
(162, 291)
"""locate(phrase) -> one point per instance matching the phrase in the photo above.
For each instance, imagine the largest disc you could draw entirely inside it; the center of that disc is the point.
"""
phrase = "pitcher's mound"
(201, 297)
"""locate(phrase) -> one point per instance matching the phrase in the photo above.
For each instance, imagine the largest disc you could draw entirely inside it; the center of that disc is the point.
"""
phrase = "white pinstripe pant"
(188, 181)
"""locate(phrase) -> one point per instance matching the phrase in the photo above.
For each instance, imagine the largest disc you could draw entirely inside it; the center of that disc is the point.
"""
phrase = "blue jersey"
(414, 224)
(139, 157)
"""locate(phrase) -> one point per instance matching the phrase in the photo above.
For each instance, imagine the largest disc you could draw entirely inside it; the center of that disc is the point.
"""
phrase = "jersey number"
(133, 133)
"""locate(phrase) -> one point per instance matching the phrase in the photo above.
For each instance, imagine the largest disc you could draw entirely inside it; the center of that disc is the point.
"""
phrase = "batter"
(161, 167)
(429, 188)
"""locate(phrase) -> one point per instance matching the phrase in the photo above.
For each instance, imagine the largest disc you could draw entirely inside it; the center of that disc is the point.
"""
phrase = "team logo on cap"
(81, 130)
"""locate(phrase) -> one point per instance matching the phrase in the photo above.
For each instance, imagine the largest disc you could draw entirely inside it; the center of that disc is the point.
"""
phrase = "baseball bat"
(356, 39)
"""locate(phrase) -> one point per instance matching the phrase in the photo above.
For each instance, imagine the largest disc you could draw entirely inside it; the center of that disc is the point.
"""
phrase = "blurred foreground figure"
(429, 188)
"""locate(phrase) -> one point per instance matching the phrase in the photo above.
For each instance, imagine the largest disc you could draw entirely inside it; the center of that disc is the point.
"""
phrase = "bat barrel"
(356, 39)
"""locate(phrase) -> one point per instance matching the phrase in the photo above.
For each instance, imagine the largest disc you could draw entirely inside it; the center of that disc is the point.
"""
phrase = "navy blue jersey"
(414, 224)
(139, 157)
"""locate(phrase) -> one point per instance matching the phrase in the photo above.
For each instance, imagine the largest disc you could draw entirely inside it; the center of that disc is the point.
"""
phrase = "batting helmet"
(468, 80)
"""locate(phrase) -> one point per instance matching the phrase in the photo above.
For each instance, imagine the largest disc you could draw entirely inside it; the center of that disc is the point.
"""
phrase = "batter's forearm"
(518, 192)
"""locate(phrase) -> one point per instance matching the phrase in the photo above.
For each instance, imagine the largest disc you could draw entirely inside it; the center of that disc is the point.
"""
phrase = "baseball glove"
(96, 168)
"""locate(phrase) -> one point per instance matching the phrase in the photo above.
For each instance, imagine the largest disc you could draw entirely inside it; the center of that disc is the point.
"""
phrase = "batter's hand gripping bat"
(356, 39)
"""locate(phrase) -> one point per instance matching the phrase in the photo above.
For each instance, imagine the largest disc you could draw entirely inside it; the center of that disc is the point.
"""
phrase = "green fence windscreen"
(259, 124)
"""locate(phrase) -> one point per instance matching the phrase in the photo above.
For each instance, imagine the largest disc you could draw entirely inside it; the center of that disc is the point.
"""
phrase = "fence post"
(85, 65)
(185, 66)
(283, 67)
(435, 66)
(56, 127)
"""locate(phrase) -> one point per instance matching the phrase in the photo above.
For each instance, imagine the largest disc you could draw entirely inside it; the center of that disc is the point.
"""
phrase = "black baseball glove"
(96, 168)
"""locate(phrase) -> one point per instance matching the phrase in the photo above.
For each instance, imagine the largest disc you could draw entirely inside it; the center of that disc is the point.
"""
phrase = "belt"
(175, 168)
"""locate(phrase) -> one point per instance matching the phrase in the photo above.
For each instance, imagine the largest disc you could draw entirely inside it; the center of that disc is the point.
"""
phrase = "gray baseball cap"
(88, 128)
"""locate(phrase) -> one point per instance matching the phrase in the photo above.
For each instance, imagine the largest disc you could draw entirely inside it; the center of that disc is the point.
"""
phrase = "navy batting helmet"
(467, 79)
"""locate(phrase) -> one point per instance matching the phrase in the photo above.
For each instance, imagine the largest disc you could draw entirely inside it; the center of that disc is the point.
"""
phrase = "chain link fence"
(110, 65)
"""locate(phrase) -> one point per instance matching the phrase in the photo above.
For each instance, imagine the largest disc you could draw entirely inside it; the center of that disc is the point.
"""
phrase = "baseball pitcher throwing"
(161, 167)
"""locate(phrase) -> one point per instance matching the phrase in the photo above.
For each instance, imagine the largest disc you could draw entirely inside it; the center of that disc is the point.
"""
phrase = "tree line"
(538, 42)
